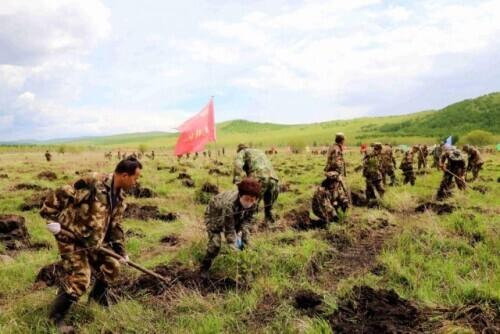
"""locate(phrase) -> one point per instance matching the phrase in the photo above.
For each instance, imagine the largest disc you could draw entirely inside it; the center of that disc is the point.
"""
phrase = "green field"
(441, 262)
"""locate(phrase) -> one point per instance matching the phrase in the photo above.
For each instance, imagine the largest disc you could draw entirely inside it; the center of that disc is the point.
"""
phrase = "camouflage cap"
(241, 147)
(339, 136)
(456, 155)
(377, 146)
(465, 148)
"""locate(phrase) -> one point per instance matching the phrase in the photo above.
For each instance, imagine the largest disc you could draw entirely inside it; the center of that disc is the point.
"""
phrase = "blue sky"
(73, 68)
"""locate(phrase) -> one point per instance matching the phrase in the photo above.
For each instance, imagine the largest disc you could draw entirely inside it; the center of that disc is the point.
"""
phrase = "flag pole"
(215, 144)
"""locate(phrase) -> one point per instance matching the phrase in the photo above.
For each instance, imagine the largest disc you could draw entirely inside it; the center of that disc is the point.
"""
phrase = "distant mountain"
(426, 126)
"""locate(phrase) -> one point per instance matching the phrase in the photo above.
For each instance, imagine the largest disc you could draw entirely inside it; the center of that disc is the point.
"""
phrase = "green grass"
(430, 260)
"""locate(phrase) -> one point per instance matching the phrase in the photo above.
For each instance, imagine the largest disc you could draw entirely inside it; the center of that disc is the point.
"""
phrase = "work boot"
(205, 267)
(268, 217)
(99, 293)
(60, 308)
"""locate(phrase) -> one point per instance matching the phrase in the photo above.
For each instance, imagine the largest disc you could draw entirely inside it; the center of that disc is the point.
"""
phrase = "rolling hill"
(422, 127)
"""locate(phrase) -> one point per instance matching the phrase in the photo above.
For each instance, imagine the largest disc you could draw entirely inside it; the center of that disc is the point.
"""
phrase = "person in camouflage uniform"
(407, 167)
(48, 156)
(388, 165)
(335, 156)
(453, 165)
(372, 171)
(436, 154)
(84, 217)
(474, 163)
(330, 197)
(230, 213)
(422, 152)
(250, 162)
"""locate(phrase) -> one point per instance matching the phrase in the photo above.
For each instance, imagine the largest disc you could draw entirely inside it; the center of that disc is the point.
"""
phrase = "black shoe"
(60, 308)
(205, 267)
(99, 293)
(269, 218)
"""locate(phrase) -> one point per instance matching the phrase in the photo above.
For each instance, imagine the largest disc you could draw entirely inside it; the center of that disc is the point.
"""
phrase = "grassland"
(448, 262)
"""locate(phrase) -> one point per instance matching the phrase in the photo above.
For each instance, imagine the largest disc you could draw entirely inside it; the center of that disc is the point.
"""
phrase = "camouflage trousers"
(475, 168)
(422, 163)
(373, 185)
(215, 238)
(269, 193)
(78, 265)
(447, 184)
(389, 172)
(409, 176)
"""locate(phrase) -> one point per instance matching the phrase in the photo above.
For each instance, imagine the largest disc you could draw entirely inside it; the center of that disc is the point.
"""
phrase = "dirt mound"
(184, 176)
(133, 233)
(140, 192)
(179, 277)
(300, 220)
(358, 198)
(147, 212)
(308, 301)
(14, 234)
(439, 208)
(206, 192)
(264, 312)
(188, 183)
(217, 171)
(170, 240)
(49, 275)
(210, 188)
(47, 175)
(482, 318)
(376, 311)
(481, 189)
(4, 176)
(339, 239)
(83, 171)
(284, 187)
(294, 240)
(33, 202)
(28, 186)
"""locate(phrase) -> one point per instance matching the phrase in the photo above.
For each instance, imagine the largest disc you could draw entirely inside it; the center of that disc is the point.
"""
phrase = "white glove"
(54, 227)
(124, 259)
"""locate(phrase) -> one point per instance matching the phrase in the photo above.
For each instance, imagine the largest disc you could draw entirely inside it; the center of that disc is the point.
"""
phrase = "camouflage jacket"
(456, 166)
(225, 213)
(84, 209)
(335, 159)
(407, 162)
(330, 198)
(254, 163)
(388, 160)
(372, 166)
(474, 157)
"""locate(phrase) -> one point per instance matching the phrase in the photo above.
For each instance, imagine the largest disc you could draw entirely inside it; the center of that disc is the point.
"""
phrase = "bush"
(143, 148)
(478, 138)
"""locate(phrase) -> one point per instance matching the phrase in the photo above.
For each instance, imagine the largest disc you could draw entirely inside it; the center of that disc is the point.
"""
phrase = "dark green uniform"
(254, 163)
(225, 215)
(328, 199)
(373, 174)
(453, 164)
(407, 167)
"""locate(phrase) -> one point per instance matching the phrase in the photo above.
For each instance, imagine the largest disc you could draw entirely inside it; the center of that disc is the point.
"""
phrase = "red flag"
(197, 131)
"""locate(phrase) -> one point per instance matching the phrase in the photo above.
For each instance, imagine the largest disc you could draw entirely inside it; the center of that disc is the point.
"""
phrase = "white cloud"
(324, 48)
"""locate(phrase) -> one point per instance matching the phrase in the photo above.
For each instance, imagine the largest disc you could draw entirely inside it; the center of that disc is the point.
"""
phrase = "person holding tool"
(86, 220)
(453, 165)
